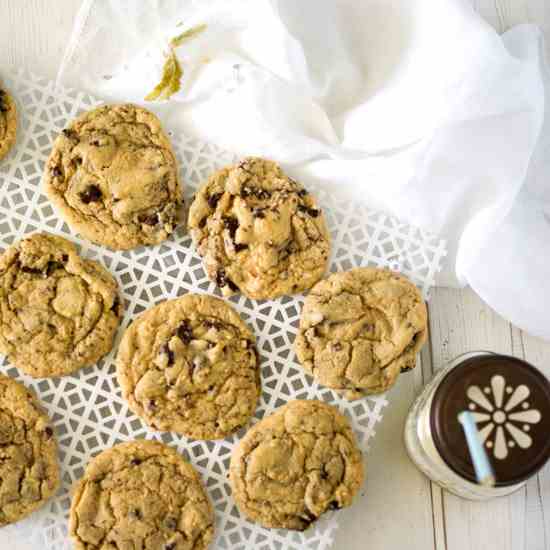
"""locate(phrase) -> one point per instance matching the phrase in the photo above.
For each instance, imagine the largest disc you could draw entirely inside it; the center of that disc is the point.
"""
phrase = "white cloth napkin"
(416, 107)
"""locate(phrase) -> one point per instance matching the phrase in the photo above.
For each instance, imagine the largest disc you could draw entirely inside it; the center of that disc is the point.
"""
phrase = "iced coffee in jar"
(508, 401)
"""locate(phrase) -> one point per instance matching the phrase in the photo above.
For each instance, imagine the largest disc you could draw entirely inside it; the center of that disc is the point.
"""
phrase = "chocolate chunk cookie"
(113, 176)
(29, 470)
(258, 231)
(58, 312)
(190, 366)
(140, 494)
(359, 329)
(8, 122)
(296, 464)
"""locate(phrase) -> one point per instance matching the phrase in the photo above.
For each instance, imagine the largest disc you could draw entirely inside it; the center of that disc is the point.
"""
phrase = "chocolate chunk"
(310, 211)
(31, 270)
(245, 192)
(184, 332)
(302, 192)
(148, 219)
(170, 546)
(3, 104)
(337, 346)
(308, 518)
(48, 432)
(56, 172)
(213, 200)
(202, 223)
(91, 194)
(167, 351)
(68, 133)
(134, 513)
(171, 523)
(116, 304)
(135, 462)
(232, 224)
(239, 247)
(334, 505)
(53, 266)
(258, 213)
(151, 404)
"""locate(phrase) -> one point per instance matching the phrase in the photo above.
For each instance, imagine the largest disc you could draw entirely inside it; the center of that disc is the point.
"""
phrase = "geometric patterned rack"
(87, 409)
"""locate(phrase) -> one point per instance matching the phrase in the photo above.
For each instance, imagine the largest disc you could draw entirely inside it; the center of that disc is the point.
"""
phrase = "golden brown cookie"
(58, 312)
(29, 469)
(140, 494)
(360, 328)
(190, 366)
(296, 464)
(8, 122)
(113, 176)
(259, 232)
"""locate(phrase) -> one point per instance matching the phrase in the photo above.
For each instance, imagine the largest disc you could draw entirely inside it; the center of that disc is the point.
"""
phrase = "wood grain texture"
(400, 508)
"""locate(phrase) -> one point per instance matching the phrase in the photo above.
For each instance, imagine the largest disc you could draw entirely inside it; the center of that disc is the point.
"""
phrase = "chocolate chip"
(223, 280)
(334, 505)
(171, 523)
(258, 213)
(337, 346)
(116, 304)
(68, 133)
(3, 104)
(231, 224)
(52, 266)
(310, 211)
(202, 223)
(134, 513)
(308, 518)
(170, 546)
(262, 194)
(301, 192)
(56, 172)
(210, 323)
(239, 247)
(151, 404)
(91, 194)
(31, 270)
(245, 191)
(185, 332)
(213, 200)
(148, 219)
(169, 353)
(65, 258)
(135, 462)
(49, 432)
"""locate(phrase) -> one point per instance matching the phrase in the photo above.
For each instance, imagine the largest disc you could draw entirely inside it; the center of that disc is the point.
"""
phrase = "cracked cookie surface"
(140, 494)
(29, 469)
(190, 366)
(259, 232)
(359, 329)
(113, 176)
(58, 312)
(8, 122)
(296, 464)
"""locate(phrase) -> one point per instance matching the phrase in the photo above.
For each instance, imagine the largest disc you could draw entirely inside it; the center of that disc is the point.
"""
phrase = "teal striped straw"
(483, 469)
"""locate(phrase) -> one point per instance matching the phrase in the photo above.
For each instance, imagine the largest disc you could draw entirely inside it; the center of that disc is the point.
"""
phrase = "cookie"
(113, 176)
(29, 469)
(259, 232)
(190, 366)
(58, 312)
(140, 494)
(359, 329)
(8, 122)
(296, 464)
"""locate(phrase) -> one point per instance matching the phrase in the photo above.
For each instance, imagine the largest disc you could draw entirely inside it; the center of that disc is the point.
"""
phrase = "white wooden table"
(401, 509)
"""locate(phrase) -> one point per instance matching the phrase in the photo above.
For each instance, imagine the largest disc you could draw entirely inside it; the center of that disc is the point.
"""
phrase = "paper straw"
(484, 471)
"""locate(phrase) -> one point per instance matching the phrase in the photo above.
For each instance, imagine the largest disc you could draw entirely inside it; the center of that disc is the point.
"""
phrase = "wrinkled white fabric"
(416, 107)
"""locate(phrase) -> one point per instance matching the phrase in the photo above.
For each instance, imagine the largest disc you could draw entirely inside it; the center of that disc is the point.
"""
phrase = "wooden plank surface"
(400, 508)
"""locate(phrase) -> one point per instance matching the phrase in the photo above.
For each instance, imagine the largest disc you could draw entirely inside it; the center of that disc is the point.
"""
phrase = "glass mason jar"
(510, 402)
